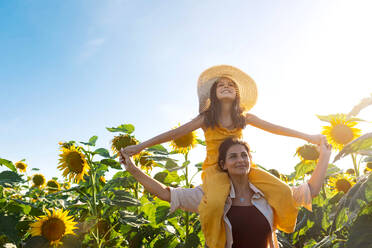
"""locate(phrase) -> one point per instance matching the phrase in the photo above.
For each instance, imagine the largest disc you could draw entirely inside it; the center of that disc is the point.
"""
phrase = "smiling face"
(237, 161)
(226, 89)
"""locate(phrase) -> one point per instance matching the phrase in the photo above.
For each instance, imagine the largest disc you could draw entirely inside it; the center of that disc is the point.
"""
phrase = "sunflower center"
(21, 166)
(38, 180)
(53, 229)
(309, 152)
(342, 134)
(369, 165)
(184, 141)
(75, 162)
(343, 185)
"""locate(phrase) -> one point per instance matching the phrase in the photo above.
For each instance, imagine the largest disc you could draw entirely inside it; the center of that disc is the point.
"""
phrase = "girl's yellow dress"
(216, 187)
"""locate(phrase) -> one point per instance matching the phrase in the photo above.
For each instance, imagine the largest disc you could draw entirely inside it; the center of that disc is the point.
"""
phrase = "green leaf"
(70, 241)
(8, 227)
(10, 177)
(360, 232)
(129, 218)
(364, 142)
(160, 176)
(8, 164)
(91, 142)
(367, 159)
(201, 142)
(125, 128)
(304, 167)
(170, 164)
(112, 163)
(161, 213)
(158, 149)
(37, 241)
(102, 152)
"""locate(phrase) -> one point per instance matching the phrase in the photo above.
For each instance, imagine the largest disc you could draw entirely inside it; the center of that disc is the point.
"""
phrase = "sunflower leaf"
(10, 177)
(102, 152)
(328, 118)
(158, 149)
(112, 163)
(8, 164)
(91, 142)
(201, 142)
(125, 128)
(364, 142)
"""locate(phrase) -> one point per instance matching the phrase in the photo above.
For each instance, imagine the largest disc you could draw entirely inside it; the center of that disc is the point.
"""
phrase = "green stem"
(356, 167)
(187, 186)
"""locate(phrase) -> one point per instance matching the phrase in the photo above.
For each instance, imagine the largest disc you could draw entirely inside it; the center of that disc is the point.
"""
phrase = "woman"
(248, 217)
(226, 94)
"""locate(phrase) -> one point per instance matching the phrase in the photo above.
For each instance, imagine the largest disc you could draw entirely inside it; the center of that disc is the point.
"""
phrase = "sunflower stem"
(356, 167)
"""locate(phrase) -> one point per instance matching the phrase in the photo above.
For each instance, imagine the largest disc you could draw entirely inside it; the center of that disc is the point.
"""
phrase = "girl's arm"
(275, 129)
(167, 136)
(317, 177)
(150, 184)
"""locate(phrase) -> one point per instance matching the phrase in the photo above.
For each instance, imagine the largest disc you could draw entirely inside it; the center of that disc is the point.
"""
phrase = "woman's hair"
(225, 145)
(211, 114)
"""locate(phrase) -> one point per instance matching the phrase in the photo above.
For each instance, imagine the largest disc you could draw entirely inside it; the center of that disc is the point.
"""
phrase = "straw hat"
(247, 87)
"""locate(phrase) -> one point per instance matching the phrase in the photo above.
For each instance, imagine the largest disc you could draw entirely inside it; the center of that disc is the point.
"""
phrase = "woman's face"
(237, 161)
(226, 89)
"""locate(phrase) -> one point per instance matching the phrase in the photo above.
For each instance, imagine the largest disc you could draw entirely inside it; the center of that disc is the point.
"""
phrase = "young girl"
(225, 95)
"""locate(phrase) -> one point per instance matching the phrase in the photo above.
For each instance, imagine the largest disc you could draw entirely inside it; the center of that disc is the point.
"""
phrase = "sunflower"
(144, 160)
(53, 186)
(122, 141)
(53, 226)
(341, 182)
(369, 166)
(350, 171)
(274, 172)
(184, 143)
(21, 166)
(38, 180)
(102, 179)
(341, 131)
(73, 164)
(308, 152)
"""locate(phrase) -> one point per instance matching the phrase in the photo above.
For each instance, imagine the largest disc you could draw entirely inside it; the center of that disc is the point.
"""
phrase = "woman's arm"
(150, 184)
(317, 178)
(275, 129)
(167, 136)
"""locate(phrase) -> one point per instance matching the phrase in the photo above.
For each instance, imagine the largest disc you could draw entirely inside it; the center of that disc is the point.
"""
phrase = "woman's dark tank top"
(250, 228)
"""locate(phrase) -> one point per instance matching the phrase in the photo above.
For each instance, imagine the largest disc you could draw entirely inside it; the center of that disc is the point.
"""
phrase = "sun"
(21, 166)
(308, 152)
(73, 163)
(53, 226)
(341, 131)
(341, 182)
(184, 143)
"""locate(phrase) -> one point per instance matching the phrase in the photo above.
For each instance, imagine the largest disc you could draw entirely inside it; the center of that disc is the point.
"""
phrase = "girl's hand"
(132, 150)
(317, 139)
(325, 148)
(125, 160)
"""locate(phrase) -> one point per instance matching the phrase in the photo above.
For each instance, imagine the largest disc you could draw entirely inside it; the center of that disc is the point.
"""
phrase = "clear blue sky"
(68, 69)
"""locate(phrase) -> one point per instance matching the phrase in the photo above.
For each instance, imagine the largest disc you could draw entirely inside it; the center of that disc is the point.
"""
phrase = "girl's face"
(226, 89)
(237, 161)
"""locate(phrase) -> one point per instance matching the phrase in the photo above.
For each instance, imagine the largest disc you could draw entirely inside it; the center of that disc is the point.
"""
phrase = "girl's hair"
(211, 114)
(225, 145)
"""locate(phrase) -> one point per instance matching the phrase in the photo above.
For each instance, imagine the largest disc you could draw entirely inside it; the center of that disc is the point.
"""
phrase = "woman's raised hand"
(317, 139)
(325, 148)
(132, 150)
(125, 160)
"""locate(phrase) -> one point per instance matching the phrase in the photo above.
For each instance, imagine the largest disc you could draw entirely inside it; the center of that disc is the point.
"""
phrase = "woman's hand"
(325, 149)
(132, 150)
(125, 160)
(317, 139)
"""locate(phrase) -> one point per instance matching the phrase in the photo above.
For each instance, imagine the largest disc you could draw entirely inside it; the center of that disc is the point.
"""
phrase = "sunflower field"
(81, 207)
